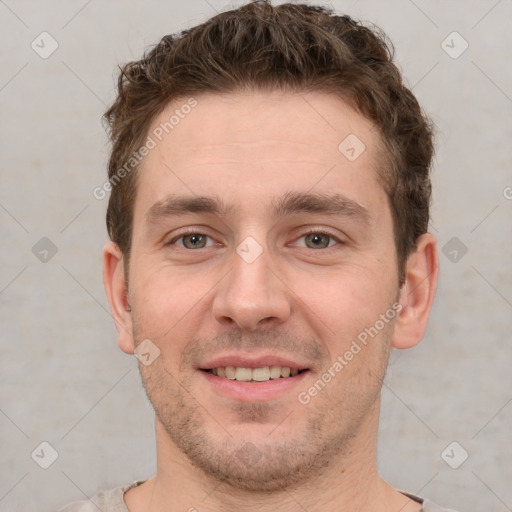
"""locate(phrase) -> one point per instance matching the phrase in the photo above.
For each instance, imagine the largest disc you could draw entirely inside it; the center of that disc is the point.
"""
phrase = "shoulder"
(427, 505)
(106, 501)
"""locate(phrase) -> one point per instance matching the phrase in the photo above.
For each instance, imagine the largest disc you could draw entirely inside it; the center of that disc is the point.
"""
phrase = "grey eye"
(194, 241)
(317, 240)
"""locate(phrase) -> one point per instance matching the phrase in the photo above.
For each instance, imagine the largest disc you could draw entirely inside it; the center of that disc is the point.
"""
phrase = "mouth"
(256, 384)
(254, 375)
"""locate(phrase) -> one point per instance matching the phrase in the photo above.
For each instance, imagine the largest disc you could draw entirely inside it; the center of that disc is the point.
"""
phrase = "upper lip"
(252, 361)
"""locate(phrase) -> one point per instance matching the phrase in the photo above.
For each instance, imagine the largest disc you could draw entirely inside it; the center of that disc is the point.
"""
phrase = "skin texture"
(248, 150)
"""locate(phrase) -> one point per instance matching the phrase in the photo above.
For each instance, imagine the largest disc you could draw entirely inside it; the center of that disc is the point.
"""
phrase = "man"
(269, 207)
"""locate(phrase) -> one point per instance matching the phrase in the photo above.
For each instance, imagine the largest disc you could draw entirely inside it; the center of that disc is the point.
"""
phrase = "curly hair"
(289, 47)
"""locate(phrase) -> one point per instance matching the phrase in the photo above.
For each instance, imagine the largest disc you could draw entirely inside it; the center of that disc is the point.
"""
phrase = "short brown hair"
(289, 47)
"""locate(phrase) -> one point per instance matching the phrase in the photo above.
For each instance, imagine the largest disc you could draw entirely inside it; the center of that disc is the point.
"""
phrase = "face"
(261, 249)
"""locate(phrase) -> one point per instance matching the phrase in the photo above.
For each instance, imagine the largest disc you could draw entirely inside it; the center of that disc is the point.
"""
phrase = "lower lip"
(253, 391)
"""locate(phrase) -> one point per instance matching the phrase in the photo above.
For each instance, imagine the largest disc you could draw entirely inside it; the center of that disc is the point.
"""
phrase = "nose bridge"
(251, 295)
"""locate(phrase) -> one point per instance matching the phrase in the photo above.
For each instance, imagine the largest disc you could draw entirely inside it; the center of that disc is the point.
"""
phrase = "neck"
(349, 483)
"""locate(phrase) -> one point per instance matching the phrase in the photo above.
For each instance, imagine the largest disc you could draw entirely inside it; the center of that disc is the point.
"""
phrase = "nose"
(252, 295)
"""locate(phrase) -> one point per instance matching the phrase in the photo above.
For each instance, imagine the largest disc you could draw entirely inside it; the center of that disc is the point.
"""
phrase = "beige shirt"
(112, 501)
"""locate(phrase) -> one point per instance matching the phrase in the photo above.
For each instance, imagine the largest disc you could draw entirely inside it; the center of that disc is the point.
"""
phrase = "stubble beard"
(269, 463)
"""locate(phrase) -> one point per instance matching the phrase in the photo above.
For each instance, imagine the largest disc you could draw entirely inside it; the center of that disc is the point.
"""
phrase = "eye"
(192, 241)
(319, 240)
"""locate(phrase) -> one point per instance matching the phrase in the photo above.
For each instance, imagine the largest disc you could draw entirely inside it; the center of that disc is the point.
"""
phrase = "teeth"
(230, 372)
(243, 374)
(275, 372)
(262, 374)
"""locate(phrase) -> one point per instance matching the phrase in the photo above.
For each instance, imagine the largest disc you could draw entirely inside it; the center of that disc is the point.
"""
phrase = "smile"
(258, 384)
(261, 374)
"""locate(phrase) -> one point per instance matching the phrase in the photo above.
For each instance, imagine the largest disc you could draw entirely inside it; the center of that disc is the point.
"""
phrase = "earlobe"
(116, 290)
(417, 293)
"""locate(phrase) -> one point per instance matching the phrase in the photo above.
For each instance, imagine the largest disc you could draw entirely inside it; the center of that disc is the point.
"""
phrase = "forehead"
(267, 118)
(243, 142)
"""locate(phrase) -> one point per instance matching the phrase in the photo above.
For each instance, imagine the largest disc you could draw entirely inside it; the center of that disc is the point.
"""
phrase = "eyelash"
(317, 231)
(186, 233)
(310, 231)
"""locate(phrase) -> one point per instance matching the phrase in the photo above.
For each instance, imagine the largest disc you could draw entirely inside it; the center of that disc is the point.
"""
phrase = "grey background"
(63, 379)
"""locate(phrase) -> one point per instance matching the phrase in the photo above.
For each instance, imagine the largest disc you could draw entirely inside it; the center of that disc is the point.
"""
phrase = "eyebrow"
(173, 206)
(315, 202)
(288, 204)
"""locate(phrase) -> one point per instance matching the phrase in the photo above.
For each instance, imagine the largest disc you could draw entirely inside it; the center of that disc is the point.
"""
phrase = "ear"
(117, 293)
(417, 293)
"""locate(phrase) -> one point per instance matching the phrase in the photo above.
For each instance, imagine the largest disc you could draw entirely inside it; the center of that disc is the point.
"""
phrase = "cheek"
(167, 290)
(344, 309)
(166, 306)
(352, 296)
